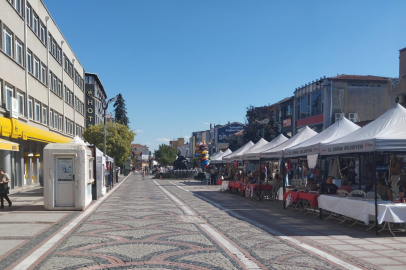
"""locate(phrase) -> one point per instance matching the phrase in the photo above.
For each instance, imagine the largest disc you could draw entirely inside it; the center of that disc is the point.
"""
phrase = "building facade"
(358, 98)
(141, 152)
(397, 86)
(95, 96)
(42, 88)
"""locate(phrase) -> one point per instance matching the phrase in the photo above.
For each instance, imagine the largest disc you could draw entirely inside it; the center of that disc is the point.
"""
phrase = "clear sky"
(182, 64)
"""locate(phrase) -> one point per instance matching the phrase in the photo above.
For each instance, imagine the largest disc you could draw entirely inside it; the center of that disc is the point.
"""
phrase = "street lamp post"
(105, 105)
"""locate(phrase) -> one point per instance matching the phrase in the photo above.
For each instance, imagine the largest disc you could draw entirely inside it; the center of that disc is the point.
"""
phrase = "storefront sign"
(350, 147)
(90, 105)
(287, 122)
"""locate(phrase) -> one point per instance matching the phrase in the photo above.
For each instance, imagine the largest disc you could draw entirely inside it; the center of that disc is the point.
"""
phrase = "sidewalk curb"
(39, 252)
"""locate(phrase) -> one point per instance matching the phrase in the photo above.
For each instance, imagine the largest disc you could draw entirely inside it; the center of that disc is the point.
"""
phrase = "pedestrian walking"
(143, 174)
(4, 188)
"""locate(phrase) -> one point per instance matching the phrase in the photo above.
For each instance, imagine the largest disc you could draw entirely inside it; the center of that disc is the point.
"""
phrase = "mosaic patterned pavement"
(140, 227)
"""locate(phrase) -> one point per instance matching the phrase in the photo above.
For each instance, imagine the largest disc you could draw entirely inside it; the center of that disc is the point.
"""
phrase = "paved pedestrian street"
(166, 224)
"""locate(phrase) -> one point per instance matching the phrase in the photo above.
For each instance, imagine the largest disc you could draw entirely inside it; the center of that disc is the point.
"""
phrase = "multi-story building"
(320, 103)
(141, 152)
(184, 150)
(221, 133)
(175, 144)
(42, 88)
(95, 96)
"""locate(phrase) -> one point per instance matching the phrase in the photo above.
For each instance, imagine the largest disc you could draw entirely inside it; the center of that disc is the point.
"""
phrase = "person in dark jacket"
(4, 189)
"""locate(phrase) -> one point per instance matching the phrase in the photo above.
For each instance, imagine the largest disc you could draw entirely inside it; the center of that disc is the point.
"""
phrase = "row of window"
(39, 29)
(38, 111)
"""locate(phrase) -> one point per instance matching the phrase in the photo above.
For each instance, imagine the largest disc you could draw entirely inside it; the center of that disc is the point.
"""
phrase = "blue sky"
(183, 64)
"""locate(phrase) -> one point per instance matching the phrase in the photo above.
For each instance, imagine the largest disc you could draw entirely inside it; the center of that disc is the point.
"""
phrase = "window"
(70, 69)
(44, 114)
(9, 95)
(71, 128)
(19, 52)
(59, 89)
(287, 112)
(60, 122)
(43, 74)
(42, 33)
(36, 67)
(67, 125)
(7, 42)
(58, 55)
(51, 116)
(66, 64)
(53, 47)
(30, 108)
(316, 102)
(29, 61)
(54, 84)
(35, 24)
(17, 5)
(37, 113)
(55, 120)
(71, 99)
(28, 15)
(304, 111)
(20, 97)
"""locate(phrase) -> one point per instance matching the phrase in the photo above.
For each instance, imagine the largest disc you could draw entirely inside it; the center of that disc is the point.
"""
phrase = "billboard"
(224, 132)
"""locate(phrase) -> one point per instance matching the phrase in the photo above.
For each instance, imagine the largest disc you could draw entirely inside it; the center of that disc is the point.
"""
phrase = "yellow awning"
(7, 145)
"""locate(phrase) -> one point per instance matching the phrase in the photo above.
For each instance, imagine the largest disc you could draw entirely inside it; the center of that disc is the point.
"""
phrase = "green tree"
(118, 140)
(120, 111)
(165, 155)
(254, 129)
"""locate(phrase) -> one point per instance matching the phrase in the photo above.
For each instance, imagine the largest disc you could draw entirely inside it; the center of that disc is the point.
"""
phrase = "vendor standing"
(328, 187)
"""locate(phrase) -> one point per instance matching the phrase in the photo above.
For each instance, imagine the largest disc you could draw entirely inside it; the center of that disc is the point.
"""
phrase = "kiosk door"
(65, 182)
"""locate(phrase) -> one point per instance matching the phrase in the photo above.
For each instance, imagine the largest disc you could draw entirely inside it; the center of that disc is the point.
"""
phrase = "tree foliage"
(165, 155)
(120, 111)
(254, 129)
(118, 140)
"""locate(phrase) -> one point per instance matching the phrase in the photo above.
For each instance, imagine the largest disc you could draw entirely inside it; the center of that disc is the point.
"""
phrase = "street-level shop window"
(30, 108)
(19, 52)
(9, 95)
(36, 67)
(7, 46)
(37, 112)
(21, 99)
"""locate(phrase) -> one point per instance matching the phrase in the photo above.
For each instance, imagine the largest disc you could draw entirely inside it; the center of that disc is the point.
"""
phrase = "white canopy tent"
(240, 156)
(253, 154)
(240, 151)
(386, 133)
(339, 129)
(219, 158)
(277, 152)
(216, 155)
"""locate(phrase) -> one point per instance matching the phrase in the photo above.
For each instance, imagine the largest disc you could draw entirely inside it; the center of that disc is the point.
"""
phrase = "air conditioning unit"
(400, 99)
(339, 116)
(353, 117)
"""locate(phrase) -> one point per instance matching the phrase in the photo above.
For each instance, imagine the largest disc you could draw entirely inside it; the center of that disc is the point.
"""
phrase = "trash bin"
(125, 172)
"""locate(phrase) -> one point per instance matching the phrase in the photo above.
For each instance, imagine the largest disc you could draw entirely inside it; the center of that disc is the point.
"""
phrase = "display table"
(295, 196)
(255, 192)
(312, 197)
(364, 209)
(233, 185)
(219, 182)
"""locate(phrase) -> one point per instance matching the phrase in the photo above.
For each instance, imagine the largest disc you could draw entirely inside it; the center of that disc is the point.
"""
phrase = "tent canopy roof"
(253, 154)
(339, 129)
(386, 133)
(238, 152)
(219, 159)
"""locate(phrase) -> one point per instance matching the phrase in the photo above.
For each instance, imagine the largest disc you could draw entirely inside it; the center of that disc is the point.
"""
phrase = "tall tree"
(120, 111)
(118, 140)
(166, 154)
(254, 129)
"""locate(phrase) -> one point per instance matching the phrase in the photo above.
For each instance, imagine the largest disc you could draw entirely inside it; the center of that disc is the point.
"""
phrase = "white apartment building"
(42, 89)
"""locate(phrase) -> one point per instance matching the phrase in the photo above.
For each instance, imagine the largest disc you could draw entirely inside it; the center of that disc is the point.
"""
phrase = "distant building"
(221, 133)
(175, 144)
(141, 152)
(397, 86)
(184, 150)
(356, 97)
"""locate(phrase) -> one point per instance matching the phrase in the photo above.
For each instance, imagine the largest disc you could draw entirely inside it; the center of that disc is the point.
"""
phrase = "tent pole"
(376, 195)
(321, 179)
(359, 171)
(259, 188)
(282, 173)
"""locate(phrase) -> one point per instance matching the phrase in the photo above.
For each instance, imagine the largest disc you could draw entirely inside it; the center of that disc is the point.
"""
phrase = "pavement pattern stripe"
(33, 257)
(230, 247)
(314, 250)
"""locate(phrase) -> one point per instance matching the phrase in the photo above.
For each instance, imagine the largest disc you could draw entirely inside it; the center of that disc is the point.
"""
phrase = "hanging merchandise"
(235, 164)
(203, 155)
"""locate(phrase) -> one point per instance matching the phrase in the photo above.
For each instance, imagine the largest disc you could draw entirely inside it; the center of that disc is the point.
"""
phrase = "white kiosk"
(68, 171)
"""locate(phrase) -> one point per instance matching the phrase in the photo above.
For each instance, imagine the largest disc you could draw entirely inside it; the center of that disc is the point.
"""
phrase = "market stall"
(240, 151)
(385, 136)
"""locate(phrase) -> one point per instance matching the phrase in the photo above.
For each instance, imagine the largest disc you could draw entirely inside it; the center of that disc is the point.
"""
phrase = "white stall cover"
(215, 155)
(277, 152)
(259, 143)
(339, 129)
(254, 154)
(236, 153)
(386, 133)
(219, 158)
